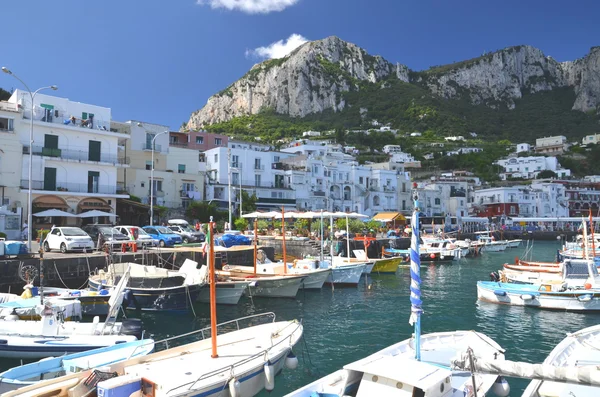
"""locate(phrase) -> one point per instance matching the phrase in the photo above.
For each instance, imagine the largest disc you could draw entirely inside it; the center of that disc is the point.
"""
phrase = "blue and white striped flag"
(415, 268)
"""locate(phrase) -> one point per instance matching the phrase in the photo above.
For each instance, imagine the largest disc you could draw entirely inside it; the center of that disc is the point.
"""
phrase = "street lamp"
(152, 177)
(29, 201)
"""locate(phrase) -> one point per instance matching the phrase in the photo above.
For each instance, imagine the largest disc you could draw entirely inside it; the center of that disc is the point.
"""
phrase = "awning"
(389, 217)
(50, 202)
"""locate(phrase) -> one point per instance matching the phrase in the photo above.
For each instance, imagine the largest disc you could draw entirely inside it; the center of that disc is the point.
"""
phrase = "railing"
(389, 189)
(70, 187)
(259, 167)
(148, 146)
(180, 144)
(66, 122)
(79, 155)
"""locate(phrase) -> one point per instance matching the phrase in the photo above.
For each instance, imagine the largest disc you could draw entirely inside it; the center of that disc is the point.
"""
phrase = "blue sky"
(158, 61)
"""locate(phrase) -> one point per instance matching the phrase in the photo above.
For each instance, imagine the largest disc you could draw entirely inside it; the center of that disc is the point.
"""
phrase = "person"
(25, 231)
(226, 226)
(197, 226)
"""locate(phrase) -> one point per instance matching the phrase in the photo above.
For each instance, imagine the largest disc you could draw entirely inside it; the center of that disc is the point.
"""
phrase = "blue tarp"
(229, 240)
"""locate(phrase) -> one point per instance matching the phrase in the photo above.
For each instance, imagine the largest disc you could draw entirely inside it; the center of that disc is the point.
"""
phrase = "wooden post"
(213, 289)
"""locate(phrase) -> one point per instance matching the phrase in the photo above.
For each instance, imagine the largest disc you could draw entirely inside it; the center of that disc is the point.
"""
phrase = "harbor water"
(342, 325)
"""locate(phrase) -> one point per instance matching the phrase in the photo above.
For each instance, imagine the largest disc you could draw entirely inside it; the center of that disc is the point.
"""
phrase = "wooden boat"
(266, 285)
(32, 373)
(228, 292)
(151, 288)
(386, 265)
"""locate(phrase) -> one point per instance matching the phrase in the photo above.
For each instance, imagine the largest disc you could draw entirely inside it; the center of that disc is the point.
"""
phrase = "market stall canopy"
(95, 213)
(389, 217)
(54, 212)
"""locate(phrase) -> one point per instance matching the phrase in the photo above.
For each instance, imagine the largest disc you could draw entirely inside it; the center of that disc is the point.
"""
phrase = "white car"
(138, 234)
(68, 238)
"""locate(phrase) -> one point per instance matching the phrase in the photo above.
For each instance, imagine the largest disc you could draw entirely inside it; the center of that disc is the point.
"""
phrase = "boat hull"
(157, 299)
(345, 275)
(284, 287)
(228, 293)
(387, 265)
(534, 296)
(315, 279)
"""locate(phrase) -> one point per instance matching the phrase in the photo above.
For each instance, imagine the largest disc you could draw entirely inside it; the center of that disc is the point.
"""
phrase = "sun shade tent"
(54, 212)
(94, 213)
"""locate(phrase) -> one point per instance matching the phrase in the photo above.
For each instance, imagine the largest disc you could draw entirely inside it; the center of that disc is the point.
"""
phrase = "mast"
(415, 279)
(255, 243)
(213, 289)
(229, 184)
(322, 236)
(283, 241)
(347, 239)
(592, 231)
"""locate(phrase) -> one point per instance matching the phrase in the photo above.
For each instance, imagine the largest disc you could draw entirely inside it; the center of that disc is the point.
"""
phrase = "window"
(181, 168)
(235, 161)
(200, 140)
(279, 194)
(276, 159)
(157, 186)
(257, 164)
(273, 194)
(93, 182)
(235, 178)
(403, 205)
(148, 165)
(360, 180)
(256, 180)
(218, 141)
(188, 187)
(6, 124)
(49, 178)
(94, 150)
(437, 201)
(403, 187)
(216, 157)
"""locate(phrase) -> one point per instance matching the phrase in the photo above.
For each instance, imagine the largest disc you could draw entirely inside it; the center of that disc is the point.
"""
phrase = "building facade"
(552, 145)
(529, 167)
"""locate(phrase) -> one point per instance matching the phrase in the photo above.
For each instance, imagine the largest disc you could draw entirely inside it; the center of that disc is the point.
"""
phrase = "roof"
(389, 217)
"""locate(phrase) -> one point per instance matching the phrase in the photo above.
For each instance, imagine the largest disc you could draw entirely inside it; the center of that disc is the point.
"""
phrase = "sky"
(158, 61)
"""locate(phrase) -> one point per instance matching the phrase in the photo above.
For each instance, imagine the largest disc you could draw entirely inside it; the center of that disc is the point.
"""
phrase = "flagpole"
(415, 278)
(213, 289)
(593, 241)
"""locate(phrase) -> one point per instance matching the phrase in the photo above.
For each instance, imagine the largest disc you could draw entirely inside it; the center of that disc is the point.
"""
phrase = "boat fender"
(104, 292)
(527, 297)
(501, 388)
(234, 388)
(442, 257)
(269, 376)
(291, 361)
(585, 297)
(499, 292)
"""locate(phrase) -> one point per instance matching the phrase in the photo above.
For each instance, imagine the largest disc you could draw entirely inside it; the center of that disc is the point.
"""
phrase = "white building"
(529, 167)
(523, 147)
(311, 133)
(590, 139)
(555, 145)
(544, 200)
(390, 149)
(75, 156)
(454, 138)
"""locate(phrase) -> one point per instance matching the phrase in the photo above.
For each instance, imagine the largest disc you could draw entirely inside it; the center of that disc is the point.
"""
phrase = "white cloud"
(278, 49)
(250, 6)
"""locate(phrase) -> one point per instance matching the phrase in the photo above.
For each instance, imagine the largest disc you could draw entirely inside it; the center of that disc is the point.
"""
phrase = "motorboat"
(315, 276)
(152, 288)
(514, 243)
(32, 373)
(266, 286)
(229, 292)
(489, 243)
(573, 273)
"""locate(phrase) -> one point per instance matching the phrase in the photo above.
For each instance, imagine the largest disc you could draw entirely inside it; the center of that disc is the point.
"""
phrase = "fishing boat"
(266, 286)
(32, 373)
(514, 243)
(386, 265)
(53, 336)
(578, 354)
(572, 274)
(489, 243)
(152, 288)
(229, 292)
(432, 256)
(419, 366)
(315, 276)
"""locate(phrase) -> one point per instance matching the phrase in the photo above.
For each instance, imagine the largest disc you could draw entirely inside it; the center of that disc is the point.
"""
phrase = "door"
(94, 151)
(50, 146)
(93, 182)
(49, 178)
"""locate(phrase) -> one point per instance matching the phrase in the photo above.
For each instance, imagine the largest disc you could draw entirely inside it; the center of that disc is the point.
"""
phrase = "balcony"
(76, 155)
(389, 189)
(177, 144)
(259, 167)
(148, 146)
(69, 187)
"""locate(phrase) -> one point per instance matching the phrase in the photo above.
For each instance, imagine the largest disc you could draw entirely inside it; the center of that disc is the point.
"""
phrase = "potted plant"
(41, 234)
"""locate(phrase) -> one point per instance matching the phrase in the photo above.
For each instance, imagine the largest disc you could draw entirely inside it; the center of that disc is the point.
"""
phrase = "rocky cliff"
(315, 76)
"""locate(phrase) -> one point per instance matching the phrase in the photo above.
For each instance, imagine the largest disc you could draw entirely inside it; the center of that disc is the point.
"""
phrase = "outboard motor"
(494, 276)
(132, 326)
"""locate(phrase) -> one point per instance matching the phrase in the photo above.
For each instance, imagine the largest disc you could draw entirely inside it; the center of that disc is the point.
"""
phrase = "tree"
(546, 174)
(203, 210)
(340, 136)
(248, 202)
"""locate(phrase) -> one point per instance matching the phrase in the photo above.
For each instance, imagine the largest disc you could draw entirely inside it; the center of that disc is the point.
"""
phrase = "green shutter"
(94, 151)
(49, 178)
(84, 115)
(181, 168)
(51, 141)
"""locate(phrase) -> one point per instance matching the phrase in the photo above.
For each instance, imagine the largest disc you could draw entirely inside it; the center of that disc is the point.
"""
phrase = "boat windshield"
(73, 231)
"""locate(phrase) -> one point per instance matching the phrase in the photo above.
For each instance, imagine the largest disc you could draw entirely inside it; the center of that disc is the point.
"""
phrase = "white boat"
(570, 274)
(489, 244)
(344, 274)
(228, 292)
(417, 367)
(579, 351)
(52, 336)
(246, 362)
(32, 373)
(362, 260)
(515, 243)
(265, 285)
(394, 371)
(27, 308)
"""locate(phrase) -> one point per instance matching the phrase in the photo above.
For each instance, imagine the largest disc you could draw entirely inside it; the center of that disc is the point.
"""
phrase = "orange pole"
(255, 243)
(213, 290)
(283, 243)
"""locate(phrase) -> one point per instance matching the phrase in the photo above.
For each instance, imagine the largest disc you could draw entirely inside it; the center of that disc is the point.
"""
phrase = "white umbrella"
(95, 213)
(356, 215)
(54, 212)
(263, 215)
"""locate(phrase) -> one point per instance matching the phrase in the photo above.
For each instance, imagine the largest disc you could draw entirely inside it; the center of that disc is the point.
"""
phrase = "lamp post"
(152, 179)
(29, 201)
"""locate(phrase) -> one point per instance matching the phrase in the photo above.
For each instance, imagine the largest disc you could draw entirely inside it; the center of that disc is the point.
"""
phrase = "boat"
(152, 288)
(419, 366)
(53, 336)
(514, 243)
(228, 292)
(266, 286)
(32, 373)
(387, 265)
(93, 303)
(572, 274)
(489, 242)
(577, 351)
(27, 308)
(432, 256)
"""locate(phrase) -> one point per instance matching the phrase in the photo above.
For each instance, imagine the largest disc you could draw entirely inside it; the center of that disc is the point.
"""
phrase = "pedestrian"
(24, 231)
(197, 226)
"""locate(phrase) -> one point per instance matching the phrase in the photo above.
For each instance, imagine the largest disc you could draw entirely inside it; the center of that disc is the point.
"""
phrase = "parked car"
(67, 239)
(163, 235)
(188, 234)
(107, 233)
(138, 234)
